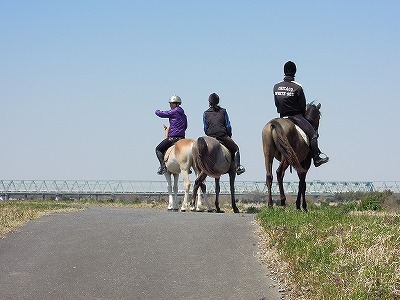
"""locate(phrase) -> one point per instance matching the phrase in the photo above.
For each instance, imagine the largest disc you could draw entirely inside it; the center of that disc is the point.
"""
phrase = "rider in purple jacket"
(177, 128)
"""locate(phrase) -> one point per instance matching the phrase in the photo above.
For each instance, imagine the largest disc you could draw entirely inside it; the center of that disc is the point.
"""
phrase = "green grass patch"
(336, 252)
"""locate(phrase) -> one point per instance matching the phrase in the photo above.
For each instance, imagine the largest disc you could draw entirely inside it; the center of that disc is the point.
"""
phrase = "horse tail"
(202, 146)
(204, 160)
(285, 148)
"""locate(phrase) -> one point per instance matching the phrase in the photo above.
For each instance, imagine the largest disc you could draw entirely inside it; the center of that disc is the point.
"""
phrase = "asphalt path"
(125, 253)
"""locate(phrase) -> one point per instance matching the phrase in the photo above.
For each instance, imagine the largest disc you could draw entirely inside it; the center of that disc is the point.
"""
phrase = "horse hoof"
(236, 211)
(173, 209)
(211, 210)
(219, 211)
(183, 210)
(199, 210)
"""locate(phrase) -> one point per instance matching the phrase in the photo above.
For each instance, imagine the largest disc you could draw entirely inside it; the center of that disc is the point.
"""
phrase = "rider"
(176, 131)
(216, 124)
(290, 101)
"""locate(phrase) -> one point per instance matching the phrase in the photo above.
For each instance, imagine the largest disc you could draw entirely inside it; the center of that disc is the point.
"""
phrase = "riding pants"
(164, 145)
(229, 143)
(305, 126)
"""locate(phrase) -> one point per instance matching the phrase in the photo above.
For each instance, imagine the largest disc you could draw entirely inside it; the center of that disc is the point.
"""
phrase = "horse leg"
(299, 194)
(232, 176)
(269, 150)
(186, 182)
(204, 196)
(217, 190)
(197, 183)
(175, 199)
(201, 193)
(280, 173)
(169, 187)
(304, 196)
(302, 191)
(269, 179)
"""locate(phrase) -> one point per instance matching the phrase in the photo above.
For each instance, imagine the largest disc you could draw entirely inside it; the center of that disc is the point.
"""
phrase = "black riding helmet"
(289, 68)
(213, 99)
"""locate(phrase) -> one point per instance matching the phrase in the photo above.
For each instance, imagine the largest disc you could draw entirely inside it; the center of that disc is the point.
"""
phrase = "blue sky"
(80, 81)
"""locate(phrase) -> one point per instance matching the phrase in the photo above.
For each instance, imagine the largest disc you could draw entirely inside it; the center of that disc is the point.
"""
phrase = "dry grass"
(16, 213)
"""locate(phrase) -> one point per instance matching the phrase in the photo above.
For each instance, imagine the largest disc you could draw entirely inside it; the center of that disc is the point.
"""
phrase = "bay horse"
(282, 140)
(213, 159)
(179, 160)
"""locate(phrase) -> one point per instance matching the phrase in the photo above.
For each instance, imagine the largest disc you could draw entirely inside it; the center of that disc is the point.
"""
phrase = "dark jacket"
(289, 97)
(216, 122)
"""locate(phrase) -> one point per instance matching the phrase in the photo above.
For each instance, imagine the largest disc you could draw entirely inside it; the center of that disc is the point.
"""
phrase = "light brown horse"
(213, 159)
(282, 140)
(179, 160)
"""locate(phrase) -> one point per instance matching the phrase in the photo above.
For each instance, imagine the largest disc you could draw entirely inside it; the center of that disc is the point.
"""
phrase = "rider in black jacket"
(290, 101)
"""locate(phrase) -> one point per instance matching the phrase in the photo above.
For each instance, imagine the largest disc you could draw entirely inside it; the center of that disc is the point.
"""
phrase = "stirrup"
(240, 170)
(161, 170)
(320, 160)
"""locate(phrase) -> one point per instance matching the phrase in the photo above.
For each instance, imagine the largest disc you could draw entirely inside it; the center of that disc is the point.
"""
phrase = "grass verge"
(333, 252)
(16, 213)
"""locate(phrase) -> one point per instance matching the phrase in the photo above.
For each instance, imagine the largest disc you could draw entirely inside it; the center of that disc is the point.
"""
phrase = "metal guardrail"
(125, 187)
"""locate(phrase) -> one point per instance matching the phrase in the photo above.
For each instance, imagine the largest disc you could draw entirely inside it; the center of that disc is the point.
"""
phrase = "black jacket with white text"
(289, 97)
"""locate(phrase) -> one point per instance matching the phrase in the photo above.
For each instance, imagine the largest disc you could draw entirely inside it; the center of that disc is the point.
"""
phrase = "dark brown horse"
(213, 159)
(282, 140)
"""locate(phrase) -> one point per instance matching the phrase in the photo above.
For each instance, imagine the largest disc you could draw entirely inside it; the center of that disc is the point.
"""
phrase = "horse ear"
(319, 105)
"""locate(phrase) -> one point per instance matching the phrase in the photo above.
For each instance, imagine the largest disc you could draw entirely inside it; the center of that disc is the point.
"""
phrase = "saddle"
(299, 130)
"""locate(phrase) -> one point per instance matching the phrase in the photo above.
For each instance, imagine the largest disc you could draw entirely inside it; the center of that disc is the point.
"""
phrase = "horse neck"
(314, 121)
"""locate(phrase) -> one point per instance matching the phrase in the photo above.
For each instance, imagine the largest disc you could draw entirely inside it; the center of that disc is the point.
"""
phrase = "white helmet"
(175, 99)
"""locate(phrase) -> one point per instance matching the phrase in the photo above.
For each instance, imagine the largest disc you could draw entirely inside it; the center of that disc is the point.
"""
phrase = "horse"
(178, 160)
(213, 159)
(282, 140)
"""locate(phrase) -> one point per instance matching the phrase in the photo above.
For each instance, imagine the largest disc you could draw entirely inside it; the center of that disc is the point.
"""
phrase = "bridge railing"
(126, 187)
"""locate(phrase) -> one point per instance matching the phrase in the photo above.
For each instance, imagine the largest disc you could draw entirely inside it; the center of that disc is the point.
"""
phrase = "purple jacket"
(177, 120)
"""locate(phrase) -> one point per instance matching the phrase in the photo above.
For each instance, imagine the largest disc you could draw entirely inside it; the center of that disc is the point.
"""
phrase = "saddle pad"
(303, 135)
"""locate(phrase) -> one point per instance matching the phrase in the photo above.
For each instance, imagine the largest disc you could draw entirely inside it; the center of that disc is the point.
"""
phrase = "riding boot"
(239, 168)
(162, 169)
(316, 153)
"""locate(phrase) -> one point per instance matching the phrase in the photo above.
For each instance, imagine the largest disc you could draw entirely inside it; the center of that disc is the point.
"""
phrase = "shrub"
(370, 202)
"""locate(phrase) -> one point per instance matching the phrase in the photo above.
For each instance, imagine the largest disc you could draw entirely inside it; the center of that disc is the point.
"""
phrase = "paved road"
(123, 253)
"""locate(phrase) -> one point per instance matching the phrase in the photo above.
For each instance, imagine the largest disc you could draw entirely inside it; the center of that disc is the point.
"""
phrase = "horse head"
(313, 114)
